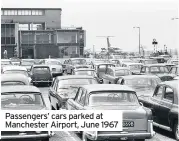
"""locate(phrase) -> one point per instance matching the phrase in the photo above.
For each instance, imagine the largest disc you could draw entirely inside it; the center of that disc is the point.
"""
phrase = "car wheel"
(176, 131)
(52, 108)
(47, 139)
(84, 138)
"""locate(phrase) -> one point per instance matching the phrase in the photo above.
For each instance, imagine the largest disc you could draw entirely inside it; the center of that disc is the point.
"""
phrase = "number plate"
(128, 123)
(53, 69)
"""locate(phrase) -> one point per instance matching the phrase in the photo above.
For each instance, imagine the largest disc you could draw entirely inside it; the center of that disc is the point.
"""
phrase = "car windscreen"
(79, 61)
(13, 100)
(16, 72)
(41, 70)
(76, 81)
(122, 72)
(113, 98)
(3, 83)
(142, 83)
(159, 69)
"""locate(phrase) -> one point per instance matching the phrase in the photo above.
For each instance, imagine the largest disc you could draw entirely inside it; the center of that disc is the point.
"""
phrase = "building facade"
(37, 33)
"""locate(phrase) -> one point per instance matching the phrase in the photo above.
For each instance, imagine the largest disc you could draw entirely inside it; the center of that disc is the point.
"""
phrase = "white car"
(54, 65)
(16, 70)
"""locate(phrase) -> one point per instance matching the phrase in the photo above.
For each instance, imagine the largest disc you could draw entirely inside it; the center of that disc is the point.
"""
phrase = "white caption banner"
(61, 120)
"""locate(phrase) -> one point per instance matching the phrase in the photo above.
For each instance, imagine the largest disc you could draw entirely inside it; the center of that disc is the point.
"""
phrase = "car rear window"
(16, 72)
(159, 69)
(41, 70)
(113, 98)
(122, 72)
(13, 100)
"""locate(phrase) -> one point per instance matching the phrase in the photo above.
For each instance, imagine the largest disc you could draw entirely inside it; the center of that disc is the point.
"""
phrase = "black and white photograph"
(93, 55)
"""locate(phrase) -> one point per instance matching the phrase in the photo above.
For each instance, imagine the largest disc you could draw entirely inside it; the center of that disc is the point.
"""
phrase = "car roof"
(12, 67)
(139, 76)
(103, 63)
(133, 63)
(119, 68)
(84, 69)
(74, 77)
(20, 88)
(107, 87)
(39, 65)
(14, 77)
(158, 64)
(173, 83)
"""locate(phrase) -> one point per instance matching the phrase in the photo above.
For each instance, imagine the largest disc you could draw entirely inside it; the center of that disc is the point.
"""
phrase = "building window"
(22, 12)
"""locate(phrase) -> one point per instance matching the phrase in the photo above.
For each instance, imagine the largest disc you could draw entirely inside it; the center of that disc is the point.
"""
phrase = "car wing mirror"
(141, 103)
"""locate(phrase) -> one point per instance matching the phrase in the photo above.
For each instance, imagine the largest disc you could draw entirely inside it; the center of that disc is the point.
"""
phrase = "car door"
(81, 101)
(155, 102)
(165, 105)
(77, 104)
(101, 70)
(106, 76)
(53, 93)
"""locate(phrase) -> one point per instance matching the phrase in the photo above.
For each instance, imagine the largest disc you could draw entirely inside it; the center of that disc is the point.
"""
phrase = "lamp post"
(139, 39)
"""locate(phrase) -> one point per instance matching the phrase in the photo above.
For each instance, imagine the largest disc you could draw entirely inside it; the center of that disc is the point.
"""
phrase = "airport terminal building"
(37, 33)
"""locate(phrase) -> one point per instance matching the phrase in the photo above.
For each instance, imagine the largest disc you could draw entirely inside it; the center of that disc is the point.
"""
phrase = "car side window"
(53, 83)
(168, 94)
(82, 99)
(147, 70)
(111, 73)
(143, 69)
(77, 99)
(159, 92)
(108, 71)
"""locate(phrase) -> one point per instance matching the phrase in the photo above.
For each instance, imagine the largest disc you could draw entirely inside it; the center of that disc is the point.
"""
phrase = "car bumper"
(123, 135)
(38, 136)
(56, 73)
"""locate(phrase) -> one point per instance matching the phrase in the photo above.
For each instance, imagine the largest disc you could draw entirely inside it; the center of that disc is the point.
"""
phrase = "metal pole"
(93, 51)
(139, 41)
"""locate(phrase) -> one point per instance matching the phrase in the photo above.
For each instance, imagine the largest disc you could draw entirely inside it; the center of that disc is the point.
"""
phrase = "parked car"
(15, 61)
(16, 70)
(144, 85)
(41, 74)
(123, 61)
(147, 61)
(54, 65)
(164, 106)
(173, 61)
(101, 68)
(23, 97)
(62, 88)
(160, 70)
(114, 97)
(174, 70)
(160, 59)
(113, 73)
(134, 67)
(75, 63)
(116, 62)
(87, 71)
(5, 62)
(14, 79)
(27, 63)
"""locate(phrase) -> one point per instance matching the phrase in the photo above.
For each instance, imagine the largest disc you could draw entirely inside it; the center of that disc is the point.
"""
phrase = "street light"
(139, 38)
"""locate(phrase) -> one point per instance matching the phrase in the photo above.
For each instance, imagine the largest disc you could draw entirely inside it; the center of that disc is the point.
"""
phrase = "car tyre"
(176, 131)
(52, 108)
(84, 138)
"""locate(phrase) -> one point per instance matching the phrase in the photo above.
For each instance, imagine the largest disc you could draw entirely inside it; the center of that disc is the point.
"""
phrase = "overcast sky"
(116, 18)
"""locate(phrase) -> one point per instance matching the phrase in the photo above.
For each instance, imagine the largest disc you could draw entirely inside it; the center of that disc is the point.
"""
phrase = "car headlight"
(38, 132)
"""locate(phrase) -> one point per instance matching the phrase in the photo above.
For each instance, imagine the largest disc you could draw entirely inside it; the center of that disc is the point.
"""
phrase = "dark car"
(160, 70)
(41, 74)
(164, 106)
(144, 85)
(114, 97)
(112, 74)
(23, 98)
(63, 88)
